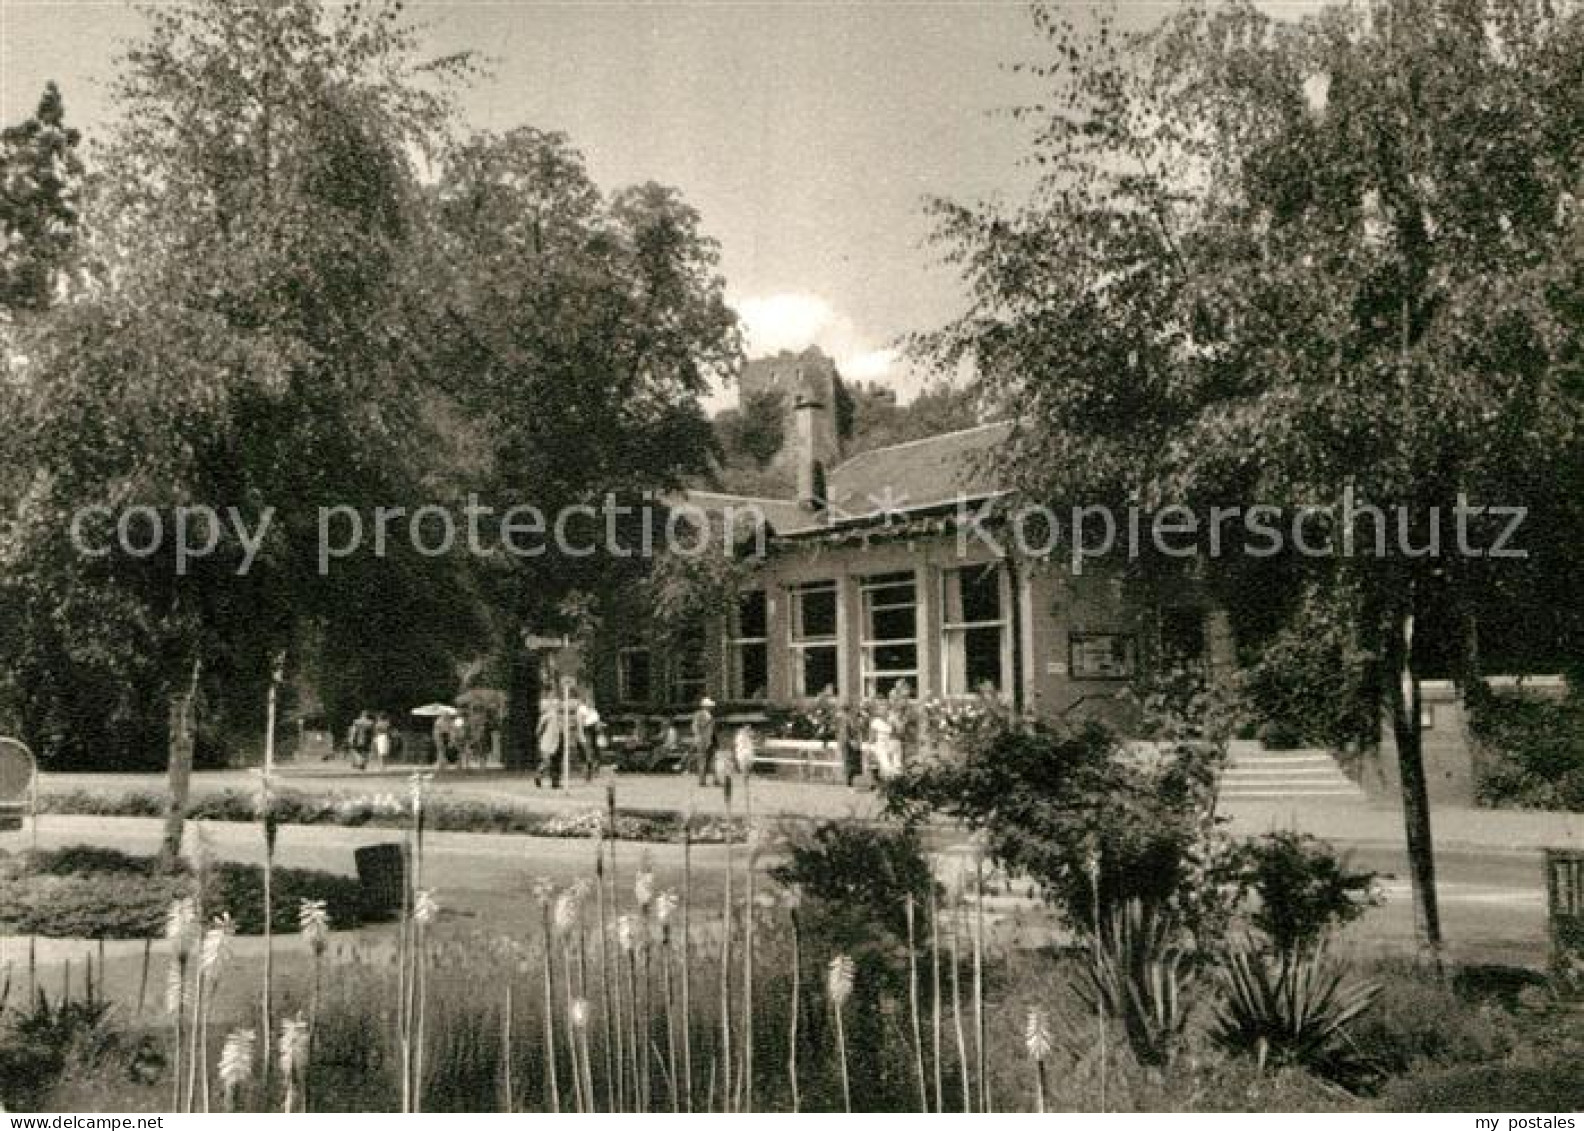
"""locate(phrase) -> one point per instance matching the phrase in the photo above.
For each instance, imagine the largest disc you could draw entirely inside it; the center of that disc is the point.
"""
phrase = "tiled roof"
(783, 515)
(884, 483)
(918, 474)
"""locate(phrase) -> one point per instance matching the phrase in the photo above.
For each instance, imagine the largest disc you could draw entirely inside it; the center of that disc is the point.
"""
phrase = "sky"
(808, 134)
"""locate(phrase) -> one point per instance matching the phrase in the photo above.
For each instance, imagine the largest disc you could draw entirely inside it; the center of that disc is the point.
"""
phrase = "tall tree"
(40, 176)
(1279, 263)
(239, 339)
(583, 329)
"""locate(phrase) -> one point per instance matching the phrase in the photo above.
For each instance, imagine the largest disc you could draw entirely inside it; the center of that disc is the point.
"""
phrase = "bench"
(18, 773)
(808, 756)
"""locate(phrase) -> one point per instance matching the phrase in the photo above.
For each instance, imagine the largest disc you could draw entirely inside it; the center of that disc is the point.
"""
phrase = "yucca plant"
(1137, 972)
(1292, 1010)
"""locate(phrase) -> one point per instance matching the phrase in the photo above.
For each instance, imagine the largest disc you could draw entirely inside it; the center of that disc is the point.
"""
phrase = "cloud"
(795, 320)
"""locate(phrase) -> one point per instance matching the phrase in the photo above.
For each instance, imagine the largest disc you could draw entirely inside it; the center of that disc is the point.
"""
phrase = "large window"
(633, 682)
(815, 638)
(749, 658)
(890, 632)
(975, 644)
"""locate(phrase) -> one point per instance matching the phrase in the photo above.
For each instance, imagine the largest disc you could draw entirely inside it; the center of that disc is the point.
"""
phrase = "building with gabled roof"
(879, 573)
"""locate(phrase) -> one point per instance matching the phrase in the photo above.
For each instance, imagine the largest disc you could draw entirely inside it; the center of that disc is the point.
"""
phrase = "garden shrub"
(1419, 1023)
(1310, 681)
(855, 878)
(1552, 1084)
(1305, 890)
(37, 1041)
(1093, 824)
(86, 892)
(1531, 750)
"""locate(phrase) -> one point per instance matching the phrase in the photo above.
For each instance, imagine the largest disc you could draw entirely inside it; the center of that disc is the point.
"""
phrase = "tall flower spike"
(580, 1012)
(236, 1060)
(566, 910)
(839, 979)
(425, 907)
(1037, 1035)
(665, 906)
(175, 988)
(313, 920)
(543, 891)
(626, 931)
(643, 889)
(217, 943)
(293, 1046)
(181, 924)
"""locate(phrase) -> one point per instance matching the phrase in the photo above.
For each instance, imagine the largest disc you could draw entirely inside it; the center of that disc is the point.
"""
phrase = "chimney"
(807, 416)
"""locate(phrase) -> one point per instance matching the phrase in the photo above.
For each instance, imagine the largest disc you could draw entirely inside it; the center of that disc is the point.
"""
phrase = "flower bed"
(389, 810)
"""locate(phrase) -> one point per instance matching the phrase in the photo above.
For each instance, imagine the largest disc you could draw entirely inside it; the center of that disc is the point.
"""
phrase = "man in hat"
(704, 741)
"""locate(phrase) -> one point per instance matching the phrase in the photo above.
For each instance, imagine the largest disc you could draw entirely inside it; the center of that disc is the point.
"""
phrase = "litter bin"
(382, 872)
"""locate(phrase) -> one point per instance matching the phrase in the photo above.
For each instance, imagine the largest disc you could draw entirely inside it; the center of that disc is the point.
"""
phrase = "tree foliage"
(1276, 262)
(40, 177)
(238, 337)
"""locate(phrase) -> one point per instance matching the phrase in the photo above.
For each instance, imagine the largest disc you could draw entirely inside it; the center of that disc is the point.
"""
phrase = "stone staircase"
(1258, 774)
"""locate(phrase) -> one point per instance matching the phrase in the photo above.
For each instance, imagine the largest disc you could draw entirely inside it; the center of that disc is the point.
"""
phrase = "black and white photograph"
(745, 557)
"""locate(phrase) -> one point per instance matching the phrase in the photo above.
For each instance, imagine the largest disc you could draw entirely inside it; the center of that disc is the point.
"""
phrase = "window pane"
(981, 593)
(753, 671)
(633, 676)
(893, 624)
(819, 669)
(982, 658)
(882, 684)
(894, 658)
(752, 615)
(816, 613)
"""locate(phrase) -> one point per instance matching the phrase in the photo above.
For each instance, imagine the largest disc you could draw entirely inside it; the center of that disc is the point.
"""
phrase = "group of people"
(457, 742)
(370, 738)
(571, 734)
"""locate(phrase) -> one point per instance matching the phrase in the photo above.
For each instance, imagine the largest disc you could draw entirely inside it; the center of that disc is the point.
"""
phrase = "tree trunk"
(1403, 698)
(522, 712)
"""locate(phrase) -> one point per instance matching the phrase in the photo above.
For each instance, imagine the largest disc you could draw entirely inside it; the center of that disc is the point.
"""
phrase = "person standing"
(440, 734)
(382, 739)
(589, 731)
(703, 723)
(360, 737)
(560, 727)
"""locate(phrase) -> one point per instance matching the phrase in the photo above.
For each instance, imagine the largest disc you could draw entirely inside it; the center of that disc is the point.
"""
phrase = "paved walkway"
(1343, 819)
